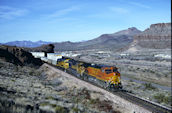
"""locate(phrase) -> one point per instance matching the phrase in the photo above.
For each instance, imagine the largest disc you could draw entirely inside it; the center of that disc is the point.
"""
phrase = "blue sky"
(76, 20)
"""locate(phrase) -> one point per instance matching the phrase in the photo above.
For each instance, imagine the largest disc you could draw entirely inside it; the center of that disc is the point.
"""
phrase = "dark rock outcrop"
(49, 48)
(18, 56)
(9, 57)
(158, 36)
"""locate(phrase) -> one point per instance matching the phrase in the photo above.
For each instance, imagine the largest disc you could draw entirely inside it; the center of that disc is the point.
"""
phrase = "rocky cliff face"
(18, 56)
(158, 36)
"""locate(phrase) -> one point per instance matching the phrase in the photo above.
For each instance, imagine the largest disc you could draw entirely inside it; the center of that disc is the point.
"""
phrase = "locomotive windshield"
(115, 70)
(108, 71)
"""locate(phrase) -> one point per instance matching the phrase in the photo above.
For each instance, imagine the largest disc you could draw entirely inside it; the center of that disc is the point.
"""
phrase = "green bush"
(60, 109)
(130, 80)
(75, 110)
(162, 98)
(49, 98)
(31, 73)
(44, 104)
(149, 86)
(152, 71)
(94, 101)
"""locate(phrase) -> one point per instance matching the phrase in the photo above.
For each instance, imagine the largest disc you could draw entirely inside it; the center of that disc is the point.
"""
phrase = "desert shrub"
(144, 70)
(162, 98)
(49, 98)
(130, 80)
(149, 86)
(151, 71)
(37, 73)
(13, 80)
(1, 64)
(138, 87)
(31, 72)
(44, 104)
(130, 69)
(17, 68)
(60, 109)
(94, 101)
(106, 106)
(75, 110)
(166, 75)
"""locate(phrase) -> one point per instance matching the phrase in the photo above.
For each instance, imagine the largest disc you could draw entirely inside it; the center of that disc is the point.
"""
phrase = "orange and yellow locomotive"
(107, 75)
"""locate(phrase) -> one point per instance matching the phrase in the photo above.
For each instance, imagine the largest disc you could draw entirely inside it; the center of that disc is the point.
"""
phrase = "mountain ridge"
(156, 36)
(26, 43)
(104, 41)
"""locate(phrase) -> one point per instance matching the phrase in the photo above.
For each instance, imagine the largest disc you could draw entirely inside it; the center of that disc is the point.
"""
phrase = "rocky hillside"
(158, 36)
(106, 41)
(25, 89)
(18, 56)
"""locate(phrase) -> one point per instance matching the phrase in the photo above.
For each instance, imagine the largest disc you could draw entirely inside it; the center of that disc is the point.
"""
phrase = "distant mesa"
(158, 36)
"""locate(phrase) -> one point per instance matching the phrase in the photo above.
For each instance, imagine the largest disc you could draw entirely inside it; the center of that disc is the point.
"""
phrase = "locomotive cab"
(63, 63)
(114, 77)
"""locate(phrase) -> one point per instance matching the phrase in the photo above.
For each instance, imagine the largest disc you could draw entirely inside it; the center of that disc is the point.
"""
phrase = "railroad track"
(151, 106)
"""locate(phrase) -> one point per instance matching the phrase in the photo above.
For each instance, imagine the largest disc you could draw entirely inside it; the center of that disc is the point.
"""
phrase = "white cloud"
(140, 5)
(7, 12)
(63, 12)
(119, 10)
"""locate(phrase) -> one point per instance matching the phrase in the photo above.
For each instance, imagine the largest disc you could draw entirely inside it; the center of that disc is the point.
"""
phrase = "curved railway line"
(151, 106)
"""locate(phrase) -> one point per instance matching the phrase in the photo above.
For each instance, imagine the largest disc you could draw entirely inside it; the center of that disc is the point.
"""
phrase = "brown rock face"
(18, 56)
(158, 36)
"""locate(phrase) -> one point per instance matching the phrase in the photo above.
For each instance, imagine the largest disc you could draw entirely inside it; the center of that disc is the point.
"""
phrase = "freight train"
(103, 75)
